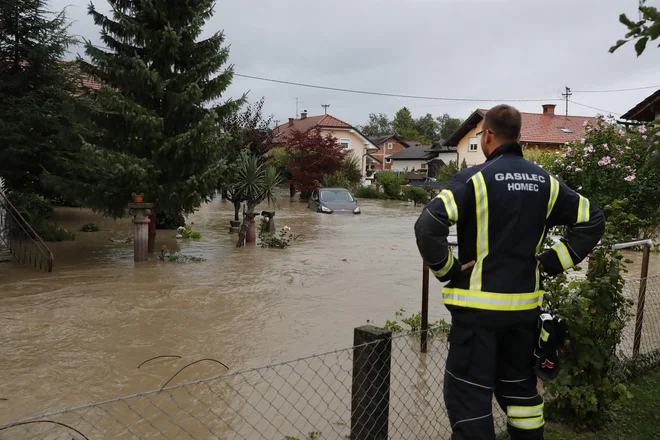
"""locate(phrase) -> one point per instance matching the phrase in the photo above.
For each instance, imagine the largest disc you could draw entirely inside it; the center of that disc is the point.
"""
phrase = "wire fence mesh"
(307, 398)
(640, 342)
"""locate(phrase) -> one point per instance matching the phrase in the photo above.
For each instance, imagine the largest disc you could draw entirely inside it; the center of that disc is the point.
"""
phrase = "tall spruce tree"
(158, 134)
(38, 124)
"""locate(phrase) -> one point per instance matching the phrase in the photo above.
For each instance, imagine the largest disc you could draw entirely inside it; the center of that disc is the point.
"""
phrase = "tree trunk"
(237, 209)
(151, 246)
(292, 190)
(224, 194)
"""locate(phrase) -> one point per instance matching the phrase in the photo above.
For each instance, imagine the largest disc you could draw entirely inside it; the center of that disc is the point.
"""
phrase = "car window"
(337, 196)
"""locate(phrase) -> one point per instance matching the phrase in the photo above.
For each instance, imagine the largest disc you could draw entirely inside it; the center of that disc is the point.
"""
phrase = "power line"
(596, 108)
(393, 95)
(617, 90)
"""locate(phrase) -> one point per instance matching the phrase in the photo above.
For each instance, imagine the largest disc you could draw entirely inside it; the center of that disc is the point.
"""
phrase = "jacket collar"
(509, 148)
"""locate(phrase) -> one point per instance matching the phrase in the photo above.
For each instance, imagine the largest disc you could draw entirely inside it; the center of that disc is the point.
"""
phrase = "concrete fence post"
(370, 403)
(141, 213)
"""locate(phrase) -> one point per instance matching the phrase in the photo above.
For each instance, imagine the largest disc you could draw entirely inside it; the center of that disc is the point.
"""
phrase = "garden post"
(370, 402)
(641, 300)
(141, 213)
(425, 307)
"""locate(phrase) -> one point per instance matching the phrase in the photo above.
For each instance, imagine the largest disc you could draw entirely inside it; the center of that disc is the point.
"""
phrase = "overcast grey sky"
(481, 49)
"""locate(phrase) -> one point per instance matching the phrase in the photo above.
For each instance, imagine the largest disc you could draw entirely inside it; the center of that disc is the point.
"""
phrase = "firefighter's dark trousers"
(484, 361)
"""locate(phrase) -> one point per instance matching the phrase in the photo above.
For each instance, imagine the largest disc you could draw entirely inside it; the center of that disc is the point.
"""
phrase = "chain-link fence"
(385, 385)
(640, 343)
(382, 387)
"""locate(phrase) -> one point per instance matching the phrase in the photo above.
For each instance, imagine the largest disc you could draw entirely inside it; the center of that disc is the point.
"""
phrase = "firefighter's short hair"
(504, 121)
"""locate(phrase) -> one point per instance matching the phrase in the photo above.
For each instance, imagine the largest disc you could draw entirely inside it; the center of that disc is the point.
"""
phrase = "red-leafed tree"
(313, 156)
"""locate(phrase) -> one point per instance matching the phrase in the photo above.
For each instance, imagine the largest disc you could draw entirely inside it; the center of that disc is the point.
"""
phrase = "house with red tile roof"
(347, 136)
(545, 130)
(646, 111)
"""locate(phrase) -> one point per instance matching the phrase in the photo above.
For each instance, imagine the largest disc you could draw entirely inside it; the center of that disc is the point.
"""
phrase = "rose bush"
(610, 163)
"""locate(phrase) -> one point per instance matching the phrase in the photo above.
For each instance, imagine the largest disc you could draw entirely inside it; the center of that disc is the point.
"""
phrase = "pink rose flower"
(644, 137)
(642, 129)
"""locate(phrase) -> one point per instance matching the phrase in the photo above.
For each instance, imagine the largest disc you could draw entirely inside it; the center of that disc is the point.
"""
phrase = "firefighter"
(503, 210)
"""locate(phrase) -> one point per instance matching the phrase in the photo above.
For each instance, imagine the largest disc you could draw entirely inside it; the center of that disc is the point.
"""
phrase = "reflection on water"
(78, 334)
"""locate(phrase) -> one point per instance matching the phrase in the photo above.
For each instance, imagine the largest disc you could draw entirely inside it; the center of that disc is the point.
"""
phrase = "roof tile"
(310, 122)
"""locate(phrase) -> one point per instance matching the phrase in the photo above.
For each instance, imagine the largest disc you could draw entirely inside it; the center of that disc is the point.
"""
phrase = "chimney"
(291, 122)
(549, 109)
(303, 115)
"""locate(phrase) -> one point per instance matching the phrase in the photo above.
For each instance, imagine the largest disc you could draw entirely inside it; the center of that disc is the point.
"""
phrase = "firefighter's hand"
(466, 266)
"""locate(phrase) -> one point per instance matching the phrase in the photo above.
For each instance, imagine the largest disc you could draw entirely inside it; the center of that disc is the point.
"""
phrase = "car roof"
(334, 189)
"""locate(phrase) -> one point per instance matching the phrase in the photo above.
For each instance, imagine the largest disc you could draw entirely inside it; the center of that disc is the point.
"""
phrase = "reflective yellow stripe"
(544, 335)
(507, 302)
(524, 411)
(584, 209)
(564, 257)
(446, 268)
(554, 193)
(450, 204)
(481, 196)
(528, 423)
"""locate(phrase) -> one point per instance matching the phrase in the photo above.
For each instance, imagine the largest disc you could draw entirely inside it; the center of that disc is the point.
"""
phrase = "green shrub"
(391, 183)
(90, 227)
(414, 324)
(50, 232)
(418, 195)
(367, 192)
(31, 205)
(608, 164)
(447, 172)
(337, 180)
(186, 232)
(596, 312)
(168, 220)
(177, 257)
(352, 170)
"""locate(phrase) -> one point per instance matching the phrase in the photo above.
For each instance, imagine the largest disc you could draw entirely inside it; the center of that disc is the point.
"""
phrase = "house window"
(474, 144)
(388, 160)
(345, 143)
(389, 146)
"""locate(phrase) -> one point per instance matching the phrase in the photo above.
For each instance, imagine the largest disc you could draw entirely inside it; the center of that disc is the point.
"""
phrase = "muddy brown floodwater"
(78, 334)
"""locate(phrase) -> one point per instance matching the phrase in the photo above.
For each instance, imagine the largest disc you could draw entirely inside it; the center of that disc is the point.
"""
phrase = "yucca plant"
(256, 182)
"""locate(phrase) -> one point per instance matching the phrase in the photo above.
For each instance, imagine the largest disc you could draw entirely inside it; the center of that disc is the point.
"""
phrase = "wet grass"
(637, 419)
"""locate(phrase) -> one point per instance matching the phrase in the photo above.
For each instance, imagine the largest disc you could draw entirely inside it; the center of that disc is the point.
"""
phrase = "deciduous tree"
(378, 125)
(313, 156)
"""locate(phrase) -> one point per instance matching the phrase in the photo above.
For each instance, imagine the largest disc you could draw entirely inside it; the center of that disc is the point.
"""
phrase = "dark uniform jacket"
(503, 210)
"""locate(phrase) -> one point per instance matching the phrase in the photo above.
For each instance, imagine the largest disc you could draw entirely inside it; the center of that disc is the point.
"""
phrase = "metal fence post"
(639, 320)
(370, 402)
(425, 307)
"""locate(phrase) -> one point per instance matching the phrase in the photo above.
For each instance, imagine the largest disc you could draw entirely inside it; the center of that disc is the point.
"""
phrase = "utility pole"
(567, 95)
(325, 107)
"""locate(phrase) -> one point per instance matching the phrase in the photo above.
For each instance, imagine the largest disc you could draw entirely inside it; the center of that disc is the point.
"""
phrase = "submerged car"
(333, 200)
